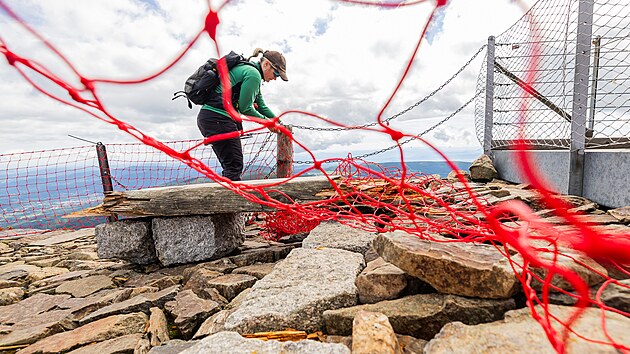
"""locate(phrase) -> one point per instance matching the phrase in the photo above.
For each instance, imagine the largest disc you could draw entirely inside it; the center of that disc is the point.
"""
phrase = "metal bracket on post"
(284, 163)
(106, 177)
(487, 130)
(597, 42)
(580, 97)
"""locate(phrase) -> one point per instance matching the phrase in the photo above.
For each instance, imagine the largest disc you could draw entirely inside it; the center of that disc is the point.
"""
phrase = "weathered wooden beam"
(206, 199)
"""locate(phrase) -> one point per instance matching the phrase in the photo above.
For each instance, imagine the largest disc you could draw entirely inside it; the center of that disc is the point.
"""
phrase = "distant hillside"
(390, 168)
(38, 198)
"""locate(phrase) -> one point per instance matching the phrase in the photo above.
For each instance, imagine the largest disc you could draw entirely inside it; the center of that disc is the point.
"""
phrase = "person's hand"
(274, 130)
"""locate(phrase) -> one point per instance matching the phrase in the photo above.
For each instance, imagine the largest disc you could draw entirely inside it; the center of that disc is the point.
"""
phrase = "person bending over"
(247, 99)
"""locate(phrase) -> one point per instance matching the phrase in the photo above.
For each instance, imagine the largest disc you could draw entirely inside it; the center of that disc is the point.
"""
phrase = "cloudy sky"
(343, 62)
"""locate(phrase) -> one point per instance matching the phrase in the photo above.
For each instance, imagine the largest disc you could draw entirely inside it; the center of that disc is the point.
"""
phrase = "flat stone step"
(298, 290)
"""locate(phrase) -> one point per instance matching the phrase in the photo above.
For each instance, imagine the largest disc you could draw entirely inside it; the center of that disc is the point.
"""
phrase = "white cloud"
(343, 62)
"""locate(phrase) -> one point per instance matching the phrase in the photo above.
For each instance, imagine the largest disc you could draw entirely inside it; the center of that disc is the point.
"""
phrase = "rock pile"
(339, 290)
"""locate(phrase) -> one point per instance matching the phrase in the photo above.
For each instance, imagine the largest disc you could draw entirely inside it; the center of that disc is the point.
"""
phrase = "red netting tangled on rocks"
(377, 200)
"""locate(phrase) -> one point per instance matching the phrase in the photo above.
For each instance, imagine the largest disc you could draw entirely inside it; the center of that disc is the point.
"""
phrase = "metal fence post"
(487, 131)
(284, 162)
(580, 97)
(106, 177)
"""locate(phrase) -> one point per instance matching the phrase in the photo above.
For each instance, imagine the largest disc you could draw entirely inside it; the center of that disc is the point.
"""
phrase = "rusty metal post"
(284, 162)
(106, 177)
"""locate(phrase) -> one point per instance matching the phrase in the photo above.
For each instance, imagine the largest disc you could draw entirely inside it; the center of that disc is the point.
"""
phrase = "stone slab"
(65, 237)
(298, 290)
(336, 235)
(520, 333)
(466, 269)
(422, 316)
(231, 342)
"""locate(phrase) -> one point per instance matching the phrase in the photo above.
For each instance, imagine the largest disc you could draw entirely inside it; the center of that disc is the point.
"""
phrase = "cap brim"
(283, 75)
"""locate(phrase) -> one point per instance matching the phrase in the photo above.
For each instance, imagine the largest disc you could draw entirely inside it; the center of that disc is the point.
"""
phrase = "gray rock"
(411, 345)
(618, 296)
(452, 176)
(255, 270)
(143, 346)
(336, 235)
(198, 282)
(58, 279)
(101, 330)
(10, 296)
(158, 327)
(63, 238)
(223, 265)
(372, 333)
(475, 270)
(35, 327)
(253, 256)
(126, 239)
(584, 267)
(174, 346)
(16, 270)
(189, 311)
(157, 280)
(421, 316)
(380, 281)
(520, 333)
(29, 307)
(298, 291)
(81, 307)
(213, 324)
(482, 169)
(45, 272)
(123, 344)
(230, 285)
(213, 237)
(83, 256)
(140, 303)
(231, 342)
(9, 284)
(85, 286)
(621, 214)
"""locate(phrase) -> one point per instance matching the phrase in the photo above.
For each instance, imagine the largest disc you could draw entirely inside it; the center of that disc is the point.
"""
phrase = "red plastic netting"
(374, 200)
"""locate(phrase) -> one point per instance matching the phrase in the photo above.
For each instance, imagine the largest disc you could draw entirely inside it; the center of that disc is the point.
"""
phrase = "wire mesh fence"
(535, 69)
(37, 189)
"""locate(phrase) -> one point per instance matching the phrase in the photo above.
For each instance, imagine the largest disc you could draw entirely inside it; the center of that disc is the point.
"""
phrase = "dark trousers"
(228, 151)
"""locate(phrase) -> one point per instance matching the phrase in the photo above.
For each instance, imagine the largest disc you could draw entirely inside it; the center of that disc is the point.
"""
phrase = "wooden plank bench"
(207, 198)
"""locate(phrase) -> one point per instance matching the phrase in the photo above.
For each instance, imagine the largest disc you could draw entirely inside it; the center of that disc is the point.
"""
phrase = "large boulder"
(459, 268)
(482, 169)
(421, 316)
(298, 290)
(520, 333)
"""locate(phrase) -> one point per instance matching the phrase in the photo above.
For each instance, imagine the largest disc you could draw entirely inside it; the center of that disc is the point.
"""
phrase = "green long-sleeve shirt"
(250, 78)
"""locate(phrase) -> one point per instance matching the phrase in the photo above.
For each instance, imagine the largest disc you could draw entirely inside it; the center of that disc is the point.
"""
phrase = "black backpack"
(199, 87)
